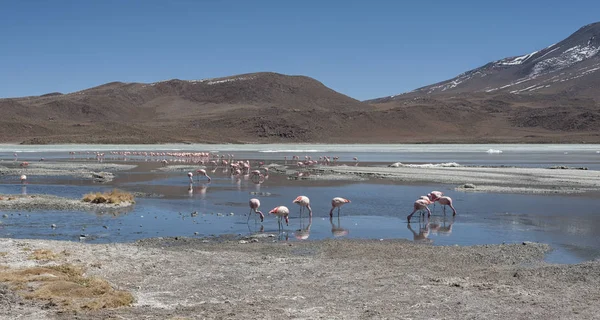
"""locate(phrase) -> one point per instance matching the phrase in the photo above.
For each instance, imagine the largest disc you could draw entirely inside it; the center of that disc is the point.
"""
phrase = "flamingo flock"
(422, 203)
(238, 168)
(283, 212)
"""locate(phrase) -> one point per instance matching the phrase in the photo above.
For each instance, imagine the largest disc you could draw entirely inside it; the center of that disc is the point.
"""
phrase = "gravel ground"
(332, 279)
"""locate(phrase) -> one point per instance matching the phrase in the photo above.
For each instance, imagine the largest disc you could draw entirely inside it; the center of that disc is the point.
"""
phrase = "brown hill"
(259, 107)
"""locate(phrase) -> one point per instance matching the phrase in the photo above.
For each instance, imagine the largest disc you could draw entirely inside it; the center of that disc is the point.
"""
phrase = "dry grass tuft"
(65, 286)
(43, 254)
(113, 197)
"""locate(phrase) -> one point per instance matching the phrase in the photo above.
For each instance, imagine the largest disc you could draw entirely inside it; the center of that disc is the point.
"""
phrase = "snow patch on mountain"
(515, 61)
(565, 59)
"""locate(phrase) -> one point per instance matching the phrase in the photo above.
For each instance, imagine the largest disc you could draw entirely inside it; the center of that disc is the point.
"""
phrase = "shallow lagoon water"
(569, 223)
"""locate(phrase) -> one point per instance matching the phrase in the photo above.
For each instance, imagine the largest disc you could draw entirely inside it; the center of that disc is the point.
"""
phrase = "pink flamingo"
(202, 172)
(447, 201)
(434, 196)
(254, 205)
(256, 173)
(420, 204)
(337, 202)
(303, 201)
(191, 176)
(281, 211)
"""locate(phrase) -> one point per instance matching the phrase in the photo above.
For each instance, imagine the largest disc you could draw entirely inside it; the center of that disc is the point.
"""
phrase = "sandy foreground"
(261, 278)
(332, 279)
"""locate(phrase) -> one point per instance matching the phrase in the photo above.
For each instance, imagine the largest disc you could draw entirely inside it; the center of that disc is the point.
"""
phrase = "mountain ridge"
(575, 57)
(547, 96)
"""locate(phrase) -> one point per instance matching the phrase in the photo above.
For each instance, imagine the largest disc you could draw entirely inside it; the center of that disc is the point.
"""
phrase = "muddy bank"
(181, 168)
(49, 202)
(101, 172)
(483, 179)
(332, 279)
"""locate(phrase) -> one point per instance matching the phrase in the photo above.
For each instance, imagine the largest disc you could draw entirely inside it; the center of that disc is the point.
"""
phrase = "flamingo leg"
(410, 215)
(339, 212)
(249, 213)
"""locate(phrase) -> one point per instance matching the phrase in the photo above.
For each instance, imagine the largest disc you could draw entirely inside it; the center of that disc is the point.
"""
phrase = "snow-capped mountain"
(571, 65)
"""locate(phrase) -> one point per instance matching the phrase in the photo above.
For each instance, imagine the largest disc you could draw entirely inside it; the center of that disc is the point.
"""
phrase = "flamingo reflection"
(202, 191)
(423, 233)
(337, 230)
(442, 229)
(304, 232)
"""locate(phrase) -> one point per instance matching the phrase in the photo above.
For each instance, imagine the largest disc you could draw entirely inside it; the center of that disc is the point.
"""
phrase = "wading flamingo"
(202, 172)
(337, 202)
(447, 201)
(356, 161)
(420, 204)
(303, 201)
(258, 174)
(191, 176)
(23, 179)
(281, 211)
(254, 205)
(434, 196)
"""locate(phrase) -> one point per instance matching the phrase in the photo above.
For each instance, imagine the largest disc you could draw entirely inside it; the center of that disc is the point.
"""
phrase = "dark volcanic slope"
(549, 95)
(571, 65)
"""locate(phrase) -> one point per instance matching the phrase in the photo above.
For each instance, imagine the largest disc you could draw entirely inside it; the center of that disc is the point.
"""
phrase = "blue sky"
(364, 49)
